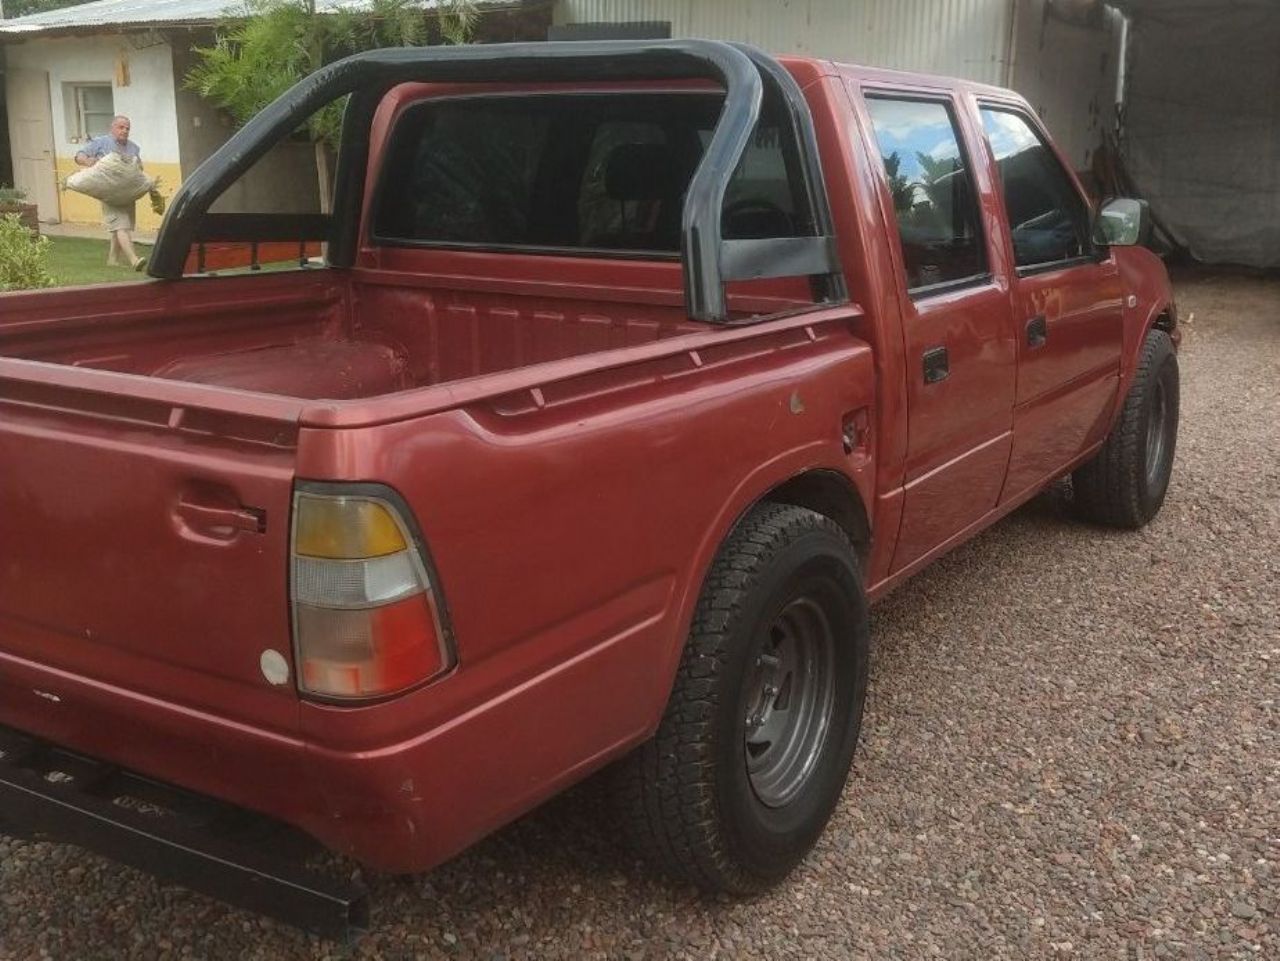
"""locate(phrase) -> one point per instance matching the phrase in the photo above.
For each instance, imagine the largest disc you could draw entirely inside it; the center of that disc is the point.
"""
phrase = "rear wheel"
(754, 749)
(1125, 483)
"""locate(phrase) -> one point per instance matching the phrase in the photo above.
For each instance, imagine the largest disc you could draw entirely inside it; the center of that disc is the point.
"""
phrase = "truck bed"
(145, 520)
(322, 335)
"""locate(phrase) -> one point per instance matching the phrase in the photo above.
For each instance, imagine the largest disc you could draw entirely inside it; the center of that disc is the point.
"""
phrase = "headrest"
(641, 171)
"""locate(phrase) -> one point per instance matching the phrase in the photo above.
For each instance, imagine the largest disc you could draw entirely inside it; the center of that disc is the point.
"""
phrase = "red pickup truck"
(633, 374)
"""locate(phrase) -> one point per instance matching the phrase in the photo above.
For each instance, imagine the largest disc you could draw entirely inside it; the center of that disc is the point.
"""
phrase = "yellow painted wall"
(79, 209)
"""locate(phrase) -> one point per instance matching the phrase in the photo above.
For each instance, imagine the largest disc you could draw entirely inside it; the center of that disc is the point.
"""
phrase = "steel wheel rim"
(790, 701)
(1156, 436)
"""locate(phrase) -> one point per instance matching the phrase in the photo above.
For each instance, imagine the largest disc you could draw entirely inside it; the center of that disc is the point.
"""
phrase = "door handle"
(218, 520)
(936, 365)
(1037, 331)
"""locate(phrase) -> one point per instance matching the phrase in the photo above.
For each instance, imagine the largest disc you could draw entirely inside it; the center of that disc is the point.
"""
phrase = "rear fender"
(807, 477)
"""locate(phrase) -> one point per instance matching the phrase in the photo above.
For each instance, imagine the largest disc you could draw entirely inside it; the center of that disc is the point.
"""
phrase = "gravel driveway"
(1072, 749)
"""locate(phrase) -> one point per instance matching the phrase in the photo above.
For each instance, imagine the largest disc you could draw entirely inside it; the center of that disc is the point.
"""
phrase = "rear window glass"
(581, 172)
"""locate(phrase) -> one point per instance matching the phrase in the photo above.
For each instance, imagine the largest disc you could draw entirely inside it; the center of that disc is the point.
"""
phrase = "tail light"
(366, 617)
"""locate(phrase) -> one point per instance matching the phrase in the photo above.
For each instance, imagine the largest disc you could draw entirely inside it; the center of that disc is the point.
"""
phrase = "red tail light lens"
(365, 616)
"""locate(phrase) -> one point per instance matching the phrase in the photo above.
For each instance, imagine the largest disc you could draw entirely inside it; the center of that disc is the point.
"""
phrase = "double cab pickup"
(631, 375)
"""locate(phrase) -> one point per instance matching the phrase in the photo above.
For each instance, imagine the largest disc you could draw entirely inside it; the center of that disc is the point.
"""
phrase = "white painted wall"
(1068, 73)
(148, 100)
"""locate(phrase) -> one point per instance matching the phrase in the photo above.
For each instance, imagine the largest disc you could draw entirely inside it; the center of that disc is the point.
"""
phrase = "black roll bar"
(709, 261)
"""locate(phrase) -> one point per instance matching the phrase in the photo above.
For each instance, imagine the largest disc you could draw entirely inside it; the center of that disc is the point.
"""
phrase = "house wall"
(284, 181)
(1068, 72)
(140, 71)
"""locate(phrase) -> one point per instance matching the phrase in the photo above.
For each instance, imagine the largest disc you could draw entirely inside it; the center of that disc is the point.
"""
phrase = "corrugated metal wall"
(1067, 71)
(964, 38)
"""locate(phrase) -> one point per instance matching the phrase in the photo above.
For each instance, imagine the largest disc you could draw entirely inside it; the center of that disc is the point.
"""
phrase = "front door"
(1067, 303)
(31, 139)
(957, 326)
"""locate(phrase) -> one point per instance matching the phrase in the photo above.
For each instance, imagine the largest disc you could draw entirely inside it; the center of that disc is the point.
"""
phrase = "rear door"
(1067, 304)
(31, 133)
(143, 546)
(957, 328)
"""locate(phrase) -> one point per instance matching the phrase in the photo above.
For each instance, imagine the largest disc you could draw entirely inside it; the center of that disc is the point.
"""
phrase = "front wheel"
(1125, 483)
(755, 746)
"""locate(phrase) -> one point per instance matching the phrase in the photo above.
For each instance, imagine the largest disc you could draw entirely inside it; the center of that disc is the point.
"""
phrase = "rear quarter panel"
(572, 526)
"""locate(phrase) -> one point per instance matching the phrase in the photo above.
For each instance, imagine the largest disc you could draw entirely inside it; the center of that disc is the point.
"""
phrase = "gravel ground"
(1071, 750)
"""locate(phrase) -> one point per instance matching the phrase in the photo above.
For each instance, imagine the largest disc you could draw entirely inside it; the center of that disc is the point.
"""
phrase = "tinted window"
(575, 171)
(1047, 216)
(933, 196)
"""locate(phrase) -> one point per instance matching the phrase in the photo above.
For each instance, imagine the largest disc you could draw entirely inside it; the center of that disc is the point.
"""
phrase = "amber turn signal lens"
(344, 528)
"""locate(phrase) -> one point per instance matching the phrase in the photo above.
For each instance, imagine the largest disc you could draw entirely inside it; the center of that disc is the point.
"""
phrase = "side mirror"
(1122, 223)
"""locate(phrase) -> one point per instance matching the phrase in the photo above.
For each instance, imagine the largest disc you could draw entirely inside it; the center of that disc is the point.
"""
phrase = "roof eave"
(16, 28)
(91, 29)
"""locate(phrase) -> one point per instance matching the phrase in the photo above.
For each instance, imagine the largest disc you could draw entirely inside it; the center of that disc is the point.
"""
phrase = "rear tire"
(754, 749)
(1125, 483)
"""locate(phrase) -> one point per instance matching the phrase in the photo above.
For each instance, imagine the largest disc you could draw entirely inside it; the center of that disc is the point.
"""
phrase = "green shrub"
(12, 195)
(24, 257)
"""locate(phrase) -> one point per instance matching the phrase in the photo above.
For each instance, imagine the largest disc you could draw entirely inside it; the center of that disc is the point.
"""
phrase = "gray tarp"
(1202, 125)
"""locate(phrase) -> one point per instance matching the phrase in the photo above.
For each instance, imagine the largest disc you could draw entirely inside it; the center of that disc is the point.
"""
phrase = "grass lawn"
(75, 261)
(80, 260)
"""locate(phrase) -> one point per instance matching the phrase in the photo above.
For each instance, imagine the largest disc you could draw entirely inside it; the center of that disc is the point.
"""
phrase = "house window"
(92, 108)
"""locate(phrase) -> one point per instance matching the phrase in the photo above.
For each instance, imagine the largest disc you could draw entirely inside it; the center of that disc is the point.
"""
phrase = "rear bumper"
(402, 807)
(225, 852)
(210, 755)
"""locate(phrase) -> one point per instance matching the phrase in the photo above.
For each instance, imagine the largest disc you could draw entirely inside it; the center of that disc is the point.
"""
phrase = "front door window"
(1048, 219)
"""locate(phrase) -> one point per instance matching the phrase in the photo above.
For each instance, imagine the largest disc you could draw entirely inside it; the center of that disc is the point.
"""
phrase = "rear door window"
(1048, 219)
(932, 189)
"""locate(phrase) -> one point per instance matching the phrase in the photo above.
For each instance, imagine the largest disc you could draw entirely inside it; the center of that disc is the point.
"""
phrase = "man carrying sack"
(117, 217)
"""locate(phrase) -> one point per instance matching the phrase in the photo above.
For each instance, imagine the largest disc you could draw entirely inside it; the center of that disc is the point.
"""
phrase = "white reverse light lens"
(347, 584)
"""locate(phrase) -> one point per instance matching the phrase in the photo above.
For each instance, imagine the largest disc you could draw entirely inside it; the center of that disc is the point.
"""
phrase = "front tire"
(754, 748)
(1125, 483)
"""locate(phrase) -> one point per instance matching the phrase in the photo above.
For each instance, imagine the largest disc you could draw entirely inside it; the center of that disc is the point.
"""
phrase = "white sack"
(115, 180)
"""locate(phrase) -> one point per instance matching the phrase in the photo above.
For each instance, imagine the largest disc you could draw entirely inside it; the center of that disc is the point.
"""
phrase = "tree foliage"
(930, 192)
(263, 50)
(899, 186)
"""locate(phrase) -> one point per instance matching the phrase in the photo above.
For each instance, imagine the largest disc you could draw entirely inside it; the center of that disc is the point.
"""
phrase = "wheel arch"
(825, 490)
(831, 494)
(1163, 316)
(1166, 319)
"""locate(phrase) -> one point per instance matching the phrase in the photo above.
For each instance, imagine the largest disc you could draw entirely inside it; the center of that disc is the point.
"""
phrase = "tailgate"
(144, 534)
